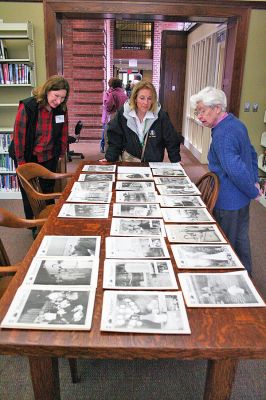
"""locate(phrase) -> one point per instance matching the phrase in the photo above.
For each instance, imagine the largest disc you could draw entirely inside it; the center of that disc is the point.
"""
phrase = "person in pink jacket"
(113, 99)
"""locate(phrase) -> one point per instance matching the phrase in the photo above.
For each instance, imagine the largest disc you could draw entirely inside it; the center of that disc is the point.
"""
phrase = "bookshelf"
(17, 78)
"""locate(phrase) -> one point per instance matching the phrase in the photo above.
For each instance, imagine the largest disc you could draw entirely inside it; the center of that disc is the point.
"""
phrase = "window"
(133, 35)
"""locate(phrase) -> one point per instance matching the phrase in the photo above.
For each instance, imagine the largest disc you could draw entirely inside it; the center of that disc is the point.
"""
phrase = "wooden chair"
(29, 175)
(11, 220)
(209, 187)
(8, 271)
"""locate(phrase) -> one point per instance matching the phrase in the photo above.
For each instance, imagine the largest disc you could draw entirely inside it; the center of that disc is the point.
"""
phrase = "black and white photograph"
(136, 247)
(92, 186)
(211, 256)
(99, 168)
(135, 176)
(89, 197)
(198, 233)
(133, 170)
(141, 274)
(181, 201)
(51, 307)
(69, 246)
(137, 210)
(231, 289)
(96, 177)
(63, 271)
(187, 215)
(135, 186)
(136, 197)
(172, 180)
(168, 172)
(74, 210)
(163, 164)
(137, 227)
(174, 189)
(144, 312)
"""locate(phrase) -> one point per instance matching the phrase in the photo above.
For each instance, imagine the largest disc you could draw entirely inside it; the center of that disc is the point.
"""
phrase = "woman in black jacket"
(141, 129)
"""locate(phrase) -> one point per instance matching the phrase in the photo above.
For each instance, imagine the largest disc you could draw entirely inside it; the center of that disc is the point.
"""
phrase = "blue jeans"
(235, 225)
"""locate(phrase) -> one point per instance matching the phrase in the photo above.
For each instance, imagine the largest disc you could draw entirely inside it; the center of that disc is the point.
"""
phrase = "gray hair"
(210, 97)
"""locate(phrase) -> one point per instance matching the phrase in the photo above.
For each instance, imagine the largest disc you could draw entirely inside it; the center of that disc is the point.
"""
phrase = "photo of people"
(151, 312)
(50, 307)
(205, 256)
(137, 227)
(233, 289)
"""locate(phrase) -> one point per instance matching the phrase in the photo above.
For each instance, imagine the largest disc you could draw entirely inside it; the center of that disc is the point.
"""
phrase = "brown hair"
(135, 91)
(55, 82)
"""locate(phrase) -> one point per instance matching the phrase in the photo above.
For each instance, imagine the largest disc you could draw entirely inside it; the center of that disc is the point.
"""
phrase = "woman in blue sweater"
(233, 159)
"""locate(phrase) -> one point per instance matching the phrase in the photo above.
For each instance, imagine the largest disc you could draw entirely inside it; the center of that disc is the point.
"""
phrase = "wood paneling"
(154, 10)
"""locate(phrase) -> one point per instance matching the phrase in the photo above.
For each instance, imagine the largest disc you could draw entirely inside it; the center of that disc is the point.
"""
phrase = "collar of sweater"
(131, 117)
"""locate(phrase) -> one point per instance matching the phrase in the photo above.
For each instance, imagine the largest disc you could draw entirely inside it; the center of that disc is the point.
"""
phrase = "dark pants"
(102, 142)
(235, 224)
(47, 185)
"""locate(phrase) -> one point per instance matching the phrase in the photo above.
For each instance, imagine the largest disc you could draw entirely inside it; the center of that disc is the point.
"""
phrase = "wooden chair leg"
(73, 364)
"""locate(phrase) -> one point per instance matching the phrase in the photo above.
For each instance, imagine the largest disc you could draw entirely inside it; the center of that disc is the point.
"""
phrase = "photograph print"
(168, 165)
(99, 168)
(89, 197)
(211, 256)
(199, 233)
(136, 210)
(144, 312)
(168, 172)
(178, 190)
(75, 210)
(231, 289)
(137, 227)
(70, 246)
(136, 197)
(92, 186)
(139, 274)
(172, 180)
(136, 247)
(96, 177)
(136, 176)
(186, 215)
(63, 271)
(51, 307)
(135, 186)
(181, 201)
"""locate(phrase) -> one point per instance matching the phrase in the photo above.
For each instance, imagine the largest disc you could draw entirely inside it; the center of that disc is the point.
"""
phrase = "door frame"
(173, 10)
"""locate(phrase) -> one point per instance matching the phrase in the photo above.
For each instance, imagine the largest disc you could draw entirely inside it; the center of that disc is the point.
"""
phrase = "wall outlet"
(265, 117)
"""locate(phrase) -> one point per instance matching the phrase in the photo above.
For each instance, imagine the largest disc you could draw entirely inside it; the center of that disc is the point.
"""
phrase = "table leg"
(220, 379)
(45, 378)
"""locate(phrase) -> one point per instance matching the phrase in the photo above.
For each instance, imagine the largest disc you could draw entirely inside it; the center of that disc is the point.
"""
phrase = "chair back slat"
(209, 186)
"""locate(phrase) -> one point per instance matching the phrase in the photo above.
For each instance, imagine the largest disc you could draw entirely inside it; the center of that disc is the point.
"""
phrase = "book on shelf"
(2, 52)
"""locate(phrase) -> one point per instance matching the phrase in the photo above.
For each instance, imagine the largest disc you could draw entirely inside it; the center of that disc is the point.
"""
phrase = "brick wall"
(84, 55)
(88, 65)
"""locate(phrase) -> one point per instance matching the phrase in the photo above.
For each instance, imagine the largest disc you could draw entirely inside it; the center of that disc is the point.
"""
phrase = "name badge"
(152, 134)
(59, 119)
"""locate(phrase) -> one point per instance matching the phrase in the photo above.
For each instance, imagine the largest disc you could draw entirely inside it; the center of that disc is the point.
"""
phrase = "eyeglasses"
(203, 111)
(200, 112)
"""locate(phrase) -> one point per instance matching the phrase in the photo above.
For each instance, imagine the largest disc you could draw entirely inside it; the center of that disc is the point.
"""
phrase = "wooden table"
(222, 336)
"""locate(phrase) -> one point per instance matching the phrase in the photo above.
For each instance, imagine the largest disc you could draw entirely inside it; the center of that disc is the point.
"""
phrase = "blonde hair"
(139, 86)
(55, 82)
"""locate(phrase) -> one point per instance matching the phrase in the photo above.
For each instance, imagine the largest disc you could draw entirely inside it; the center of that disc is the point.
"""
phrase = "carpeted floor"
(139, 379)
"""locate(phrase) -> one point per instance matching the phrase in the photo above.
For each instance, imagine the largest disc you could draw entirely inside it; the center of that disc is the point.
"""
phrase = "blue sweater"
(234, 160)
